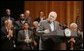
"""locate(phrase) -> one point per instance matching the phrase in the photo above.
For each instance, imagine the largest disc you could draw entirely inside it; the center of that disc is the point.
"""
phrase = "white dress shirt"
(26, 34)
(52, 26)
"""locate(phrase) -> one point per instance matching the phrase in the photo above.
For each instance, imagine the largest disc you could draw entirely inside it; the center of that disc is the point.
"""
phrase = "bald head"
(52, 16)
(27, 13)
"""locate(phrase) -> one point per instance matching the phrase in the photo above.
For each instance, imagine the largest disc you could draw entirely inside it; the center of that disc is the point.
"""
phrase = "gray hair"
(53, 13)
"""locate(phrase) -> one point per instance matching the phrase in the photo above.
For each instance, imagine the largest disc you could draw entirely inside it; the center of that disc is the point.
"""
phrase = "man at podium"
(47, 26)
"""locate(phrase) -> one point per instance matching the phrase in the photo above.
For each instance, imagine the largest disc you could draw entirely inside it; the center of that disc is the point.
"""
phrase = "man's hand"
(46, 31)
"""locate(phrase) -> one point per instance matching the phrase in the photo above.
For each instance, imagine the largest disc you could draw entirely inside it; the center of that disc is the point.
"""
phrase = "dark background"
(16, 7)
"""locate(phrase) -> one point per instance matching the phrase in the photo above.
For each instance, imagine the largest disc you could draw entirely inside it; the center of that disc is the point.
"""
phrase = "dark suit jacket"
(29, 20)
(7, 44)
(18, 25)
(21, 38)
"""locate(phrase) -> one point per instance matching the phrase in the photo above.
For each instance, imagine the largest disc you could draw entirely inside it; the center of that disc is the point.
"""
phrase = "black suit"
(29, 20)
(7, 44)
(36, 38)
(18, 25)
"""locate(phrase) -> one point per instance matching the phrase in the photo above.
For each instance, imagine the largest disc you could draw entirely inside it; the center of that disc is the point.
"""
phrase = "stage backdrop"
(67, 11)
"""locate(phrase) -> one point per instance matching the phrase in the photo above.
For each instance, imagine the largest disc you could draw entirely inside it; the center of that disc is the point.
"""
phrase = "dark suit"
(29, 20)
(21, 38)
(18, 25)
(36, 38)
(7, 44)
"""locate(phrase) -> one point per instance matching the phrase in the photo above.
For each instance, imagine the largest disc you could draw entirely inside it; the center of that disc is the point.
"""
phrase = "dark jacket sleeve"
(3, 34)
(20, 37)
(78, 41)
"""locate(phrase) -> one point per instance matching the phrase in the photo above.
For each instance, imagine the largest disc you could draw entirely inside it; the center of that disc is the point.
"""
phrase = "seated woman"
(8, 35)
(25, 37)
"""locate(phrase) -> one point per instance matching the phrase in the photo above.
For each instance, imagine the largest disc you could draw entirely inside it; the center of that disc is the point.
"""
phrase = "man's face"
(52, 18)
(8, 12)
(22, 16)
(41, 14)
(27, 13)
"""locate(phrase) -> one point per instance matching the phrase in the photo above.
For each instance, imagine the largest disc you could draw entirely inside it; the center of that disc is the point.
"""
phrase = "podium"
(58, 36)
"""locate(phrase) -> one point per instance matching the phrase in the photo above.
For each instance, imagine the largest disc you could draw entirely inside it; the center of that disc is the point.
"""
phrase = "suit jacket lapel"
(29, 33)
(23, 34)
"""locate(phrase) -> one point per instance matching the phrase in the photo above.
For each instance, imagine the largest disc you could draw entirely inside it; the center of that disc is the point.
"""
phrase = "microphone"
(63, 26)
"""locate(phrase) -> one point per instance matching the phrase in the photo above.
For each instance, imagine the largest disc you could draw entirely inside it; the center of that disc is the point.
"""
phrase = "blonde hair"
(73, 24)
(8, 21)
